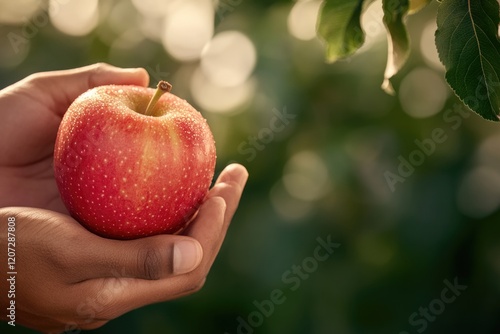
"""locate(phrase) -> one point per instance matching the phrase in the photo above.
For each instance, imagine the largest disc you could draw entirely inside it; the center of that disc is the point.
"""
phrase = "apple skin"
(126, 175)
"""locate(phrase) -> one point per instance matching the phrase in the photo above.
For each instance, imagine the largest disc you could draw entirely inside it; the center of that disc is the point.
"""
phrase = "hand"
(68, 277)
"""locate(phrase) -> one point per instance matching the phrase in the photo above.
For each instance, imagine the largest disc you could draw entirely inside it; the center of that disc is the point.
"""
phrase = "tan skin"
(67, 277)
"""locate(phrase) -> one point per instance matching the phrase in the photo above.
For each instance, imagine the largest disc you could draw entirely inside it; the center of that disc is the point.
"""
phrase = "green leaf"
(398, 41)
(339, 26)
(468, 46)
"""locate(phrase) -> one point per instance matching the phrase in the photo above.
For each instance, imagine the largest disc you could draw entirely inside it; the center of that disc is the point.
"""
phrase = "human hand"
(31, 111)
(68, 277)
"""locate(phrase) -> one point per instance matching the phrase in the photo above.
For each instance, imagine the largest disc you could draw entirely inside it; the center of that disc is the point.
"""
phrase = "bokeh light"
(152, 28)
(127, 47)
(302, 19)
(428, 47)
(286, 206)
(219, 99)
(372, 25)
(187, 28)
(228, 59)
(19, 11)
(155, 8)
(306, 176)
(488, 153)
(122, 17)
(479, 193)
(74, 17)
(423, 93)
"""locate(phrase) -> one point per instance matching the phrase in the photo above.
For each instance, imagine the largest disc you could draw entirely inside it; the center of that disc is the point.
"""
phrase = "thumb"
(63, 87)
(148, 258)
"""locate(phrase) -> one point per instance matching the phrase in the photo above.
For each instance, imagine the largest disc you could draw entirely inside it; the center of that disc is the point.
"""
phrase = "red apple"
(130, 162)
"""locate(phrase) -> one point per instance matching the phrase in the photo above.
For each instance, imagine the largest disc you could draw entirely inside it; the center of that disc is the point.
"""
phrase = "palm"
(26, 173)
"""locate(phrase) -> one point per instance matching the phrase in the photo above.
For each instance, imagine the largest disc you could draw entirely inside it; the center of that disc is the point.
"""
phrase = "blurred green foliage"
(396, 247)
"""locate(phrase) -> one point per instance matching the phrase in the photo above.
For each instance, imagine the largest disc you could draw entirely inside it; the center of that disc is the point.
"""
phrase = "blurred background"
(332, 158)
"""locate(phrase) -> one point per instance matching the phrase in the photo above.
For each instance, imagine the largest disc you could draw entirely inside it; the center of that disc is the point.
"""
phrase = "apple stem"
(162, 88)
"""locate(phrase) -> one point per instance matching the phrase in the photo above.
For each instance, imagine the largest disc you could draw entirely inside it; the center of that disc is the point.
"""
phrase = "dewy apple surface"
(145, 172)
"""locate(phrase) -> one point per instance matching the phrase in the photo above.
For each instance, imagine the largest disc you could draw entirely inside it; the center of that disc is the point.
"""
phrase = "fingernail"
(187, 256)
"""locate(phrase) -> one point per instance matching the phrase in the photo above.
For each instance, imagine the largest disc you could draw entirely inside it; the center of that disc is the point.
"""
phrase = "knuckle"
(149, 263)
(96, 70)
(100, 66)
(226, 187)
(33, 78)
(36, 80)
